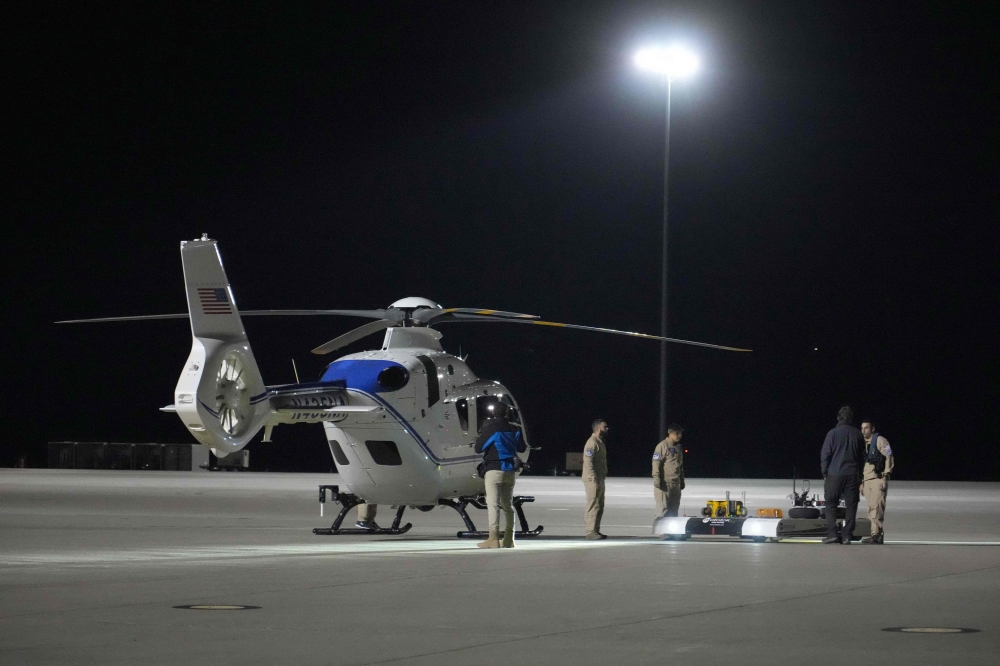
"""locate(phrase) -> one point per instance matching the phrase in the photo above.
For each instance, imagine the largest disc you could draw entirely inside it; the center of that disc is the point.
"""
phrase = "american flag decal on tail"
(214, 301)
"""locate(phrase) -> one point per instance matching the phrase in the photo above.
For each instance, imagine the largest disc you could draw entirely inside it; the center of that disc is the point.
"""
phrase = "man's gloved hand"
(878, 475)
(682, 484)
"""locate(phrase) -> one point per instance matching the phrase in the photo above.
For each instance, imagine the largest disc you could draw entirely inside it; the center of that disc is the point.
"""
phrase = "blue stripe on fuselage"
(360, 374)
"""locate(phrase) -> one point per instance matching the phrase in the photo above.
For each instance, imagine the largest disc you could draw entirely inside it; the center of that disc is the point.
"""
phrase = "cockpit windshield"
(484, 409)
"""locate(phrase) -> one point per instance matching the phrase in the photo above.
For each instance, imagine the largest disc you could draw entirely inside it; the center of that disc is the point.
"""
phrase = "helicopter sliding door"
(351, 465)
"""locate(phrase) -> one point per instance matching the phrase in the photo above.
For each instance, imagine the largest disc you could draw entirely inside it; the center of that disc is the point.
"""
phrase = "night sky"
(833, 206)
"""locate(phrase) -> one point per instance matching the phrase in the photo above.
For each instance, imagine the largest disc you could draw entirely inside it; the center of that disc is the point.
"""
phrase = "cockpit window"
(462, 407)
(484, 410)
(512, 415)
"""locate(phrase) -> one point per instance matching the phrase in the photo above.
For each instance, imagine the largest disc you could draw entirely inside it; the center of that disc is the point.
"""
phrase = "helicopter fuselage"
(416, 446)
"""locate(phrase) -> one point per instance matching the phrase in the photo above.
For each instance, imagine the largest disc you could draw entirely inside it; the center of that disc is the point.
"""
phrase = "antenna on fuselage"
(296, 371)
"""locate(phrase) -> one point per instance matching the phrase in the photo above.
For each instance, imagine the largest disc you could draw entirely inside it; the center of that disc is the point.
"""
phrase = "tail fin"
(220, 395)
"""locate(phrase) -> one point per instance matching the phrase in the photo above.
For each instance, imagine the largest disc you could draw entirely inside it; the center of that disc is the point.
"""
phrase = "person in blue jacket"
(500, 441)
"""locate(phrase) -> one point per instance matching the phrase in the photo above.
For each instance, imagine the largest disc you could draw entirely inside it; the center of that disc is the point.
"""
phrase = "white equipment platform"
(757, 529)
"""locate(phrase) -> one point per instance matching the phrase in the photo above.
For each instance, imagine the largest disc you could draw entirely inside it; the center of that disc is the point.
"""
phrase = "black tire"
(706, 511)
(805, 512)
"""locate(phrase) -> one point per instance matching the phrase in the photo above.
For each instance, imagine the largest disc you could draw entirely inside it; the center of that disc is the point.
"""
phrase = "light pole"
(670, 63)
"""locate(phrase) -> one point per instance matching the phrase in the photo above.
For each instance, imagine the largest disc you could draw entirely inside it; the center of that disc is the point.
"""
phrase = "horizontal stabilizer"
(169, 408)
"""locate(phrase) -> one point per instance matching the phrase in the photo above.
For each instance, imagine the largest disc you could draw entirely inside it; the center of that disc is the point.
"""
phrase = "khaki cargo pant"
(668, 498)
(499, 493)
(875, 491)
(366, 512)
(595, 504)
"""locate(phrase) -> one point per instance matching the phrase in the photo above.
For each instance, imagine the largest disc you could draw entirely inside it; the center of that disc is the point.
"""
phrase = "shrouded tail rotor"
(220, 395)
(233, 396)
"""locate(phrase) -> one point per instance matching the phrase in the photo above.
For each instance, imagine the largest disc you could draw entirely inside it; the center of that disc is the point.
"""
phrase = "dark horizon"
(833, 204)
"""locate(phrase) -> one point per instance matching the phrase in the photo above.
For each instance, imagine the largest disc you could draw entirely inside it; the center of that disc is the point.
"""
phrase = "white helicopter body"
(400, 421)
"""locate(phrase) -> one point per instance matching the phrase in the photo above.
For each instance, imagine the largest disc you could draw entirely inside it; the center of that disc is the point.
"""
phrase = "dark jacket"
(843, 451)
(499, 442)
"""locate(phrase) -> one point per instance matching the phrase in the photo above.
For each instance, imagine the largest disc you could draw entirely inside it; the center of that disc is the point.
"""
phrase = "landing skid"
(479, 502)
(348, 501)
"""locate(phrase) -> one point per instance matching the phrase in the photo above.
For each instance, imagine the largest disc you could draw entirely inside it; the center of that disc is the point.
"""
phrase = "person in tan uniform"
(668, 472)
(879, 462)
(366, 516)
(595, 470)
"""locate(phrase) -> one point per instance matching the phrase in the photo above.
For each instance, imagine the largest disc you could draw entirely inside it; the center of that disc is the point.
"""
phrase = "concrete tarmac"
(94, 564)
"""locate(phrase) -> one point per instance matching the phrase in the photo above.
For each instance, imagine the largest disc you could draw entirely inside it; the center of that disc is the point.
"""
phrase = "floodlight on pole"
(671, 63)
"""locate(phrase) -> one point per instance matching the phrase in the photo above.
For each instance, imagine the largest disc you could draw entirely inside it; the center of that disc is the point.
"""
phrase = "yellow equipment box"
(724, 509)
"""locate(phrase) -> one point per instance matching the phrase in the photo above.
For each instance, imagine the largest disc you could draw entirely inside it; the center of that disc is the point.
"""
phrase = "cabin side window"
(338, 453)
(384, 452)
(462, 407)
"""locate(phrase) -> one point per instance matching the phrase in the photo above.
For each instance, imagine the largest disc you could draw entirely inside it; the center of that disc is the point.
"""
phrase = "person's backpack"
(874, 457)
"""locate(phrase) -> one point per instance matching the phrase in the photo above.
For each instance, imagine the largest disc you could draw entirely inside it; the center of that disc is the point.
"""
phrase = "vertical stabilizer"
(220, 395)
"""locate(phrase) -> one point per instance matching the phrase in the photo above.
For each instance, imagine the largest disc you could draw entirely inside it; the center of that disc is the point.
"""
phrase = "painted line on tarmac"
(905, 543)
(944, 543)
(210, 554)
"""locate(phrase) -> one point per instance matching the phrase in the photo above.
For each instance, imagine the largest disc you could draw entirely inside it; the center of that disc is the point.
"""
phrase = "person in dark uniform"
(840, 460)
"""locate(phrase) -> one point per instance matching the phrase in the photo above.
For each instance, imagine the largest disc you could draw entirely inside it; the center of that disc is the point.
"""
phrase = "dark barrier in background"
(112, 455)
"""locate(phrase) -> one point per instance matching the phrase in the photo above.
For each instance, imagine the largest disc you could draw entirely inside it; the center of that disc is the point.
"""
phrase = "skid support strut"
(480, 503)
(348, 502)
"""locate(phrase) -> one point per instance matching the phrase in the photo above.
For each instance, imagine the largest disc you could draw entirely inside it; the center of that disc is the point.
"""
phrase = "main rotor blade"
(368, 314)
(427, 315)
(461, 317)
(351, 336)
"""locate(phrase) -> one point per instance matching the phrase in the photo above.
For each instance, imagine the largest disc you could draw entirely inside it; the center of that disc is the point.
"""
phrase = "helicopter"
(400, 421)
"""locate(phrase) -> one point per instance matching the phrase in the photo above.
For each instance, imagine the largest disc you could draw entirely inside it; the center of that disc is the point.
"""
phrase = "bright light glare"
(673, 62)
